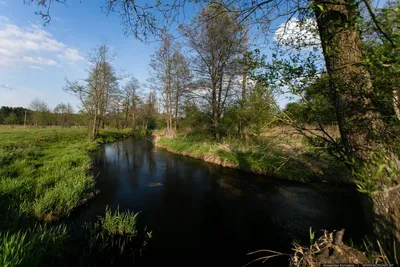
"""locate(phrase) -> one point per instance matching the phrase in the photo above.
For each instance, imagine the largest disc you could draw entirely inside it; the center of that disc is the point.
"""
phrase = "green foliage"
(374, 175)
(312, 236)
(258, 156)
(383, 59)
(297, 111)
(31, 247)
(113, 238)
(120, 223)
(316, 107)
(252, 115)
(10, 115)
(44, 172)
(192, 116)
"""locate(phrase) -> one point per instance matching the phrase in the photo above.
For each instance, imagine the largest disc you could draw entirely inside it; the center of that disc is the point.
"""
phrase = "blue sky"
(35, 60)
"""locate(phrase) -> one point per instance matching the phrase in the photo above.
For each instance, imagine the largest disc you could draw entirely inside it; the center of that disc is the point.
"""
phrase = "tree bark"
(215, 125)
(361, 127)
(396, 104)
(133, 120)
(95, 127)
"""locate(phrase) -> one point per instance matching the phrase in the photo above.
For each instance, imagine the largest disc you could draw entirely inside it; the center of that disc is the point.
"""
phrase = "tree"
(361, 126)
(63, 114)
(99, 89)
(181, 80)
(40, 112)
(162, 80)
(11, 119)
(170, 75)
(255, 112)
(382, 59)
(6, 112)
(131, 101)
(360, 123)
(147, 111)
(217, 39)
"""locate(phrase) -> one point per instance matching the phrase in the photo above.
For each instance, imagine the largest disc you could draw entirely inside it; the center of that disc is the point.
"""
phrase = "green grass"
(45, 172)
(114, 239)
(120, 223)
(31, 247)
(261, 156)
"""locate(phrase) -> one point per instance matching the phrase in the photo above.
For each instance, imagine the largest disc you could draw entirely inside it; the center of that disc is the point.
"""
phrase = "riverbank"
(45, 173)
(282, 156)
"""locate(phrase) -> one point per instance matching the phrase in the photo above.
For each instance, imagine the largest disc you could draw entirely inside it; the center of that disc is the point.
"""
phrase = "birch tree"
(99, 89)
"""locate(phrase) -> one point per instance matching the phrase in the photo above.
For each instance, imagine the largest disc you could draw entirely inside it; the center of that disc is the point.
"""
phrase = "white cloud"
(2, 2)
(71, 54)
(30, 45)
(298, 33)
(39, 61)
(36, 67)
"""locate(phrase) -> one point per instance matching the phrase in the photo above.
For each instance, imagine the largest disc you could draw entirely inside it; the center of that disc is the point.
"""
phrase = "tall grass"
(120, 223)
(45, 172)
(266, 155)
(114, 238)
(31, 247)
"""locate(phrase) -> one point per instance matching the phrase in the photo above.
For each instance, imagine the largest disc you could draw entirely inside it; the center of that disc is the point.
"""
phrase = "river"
(206, 215)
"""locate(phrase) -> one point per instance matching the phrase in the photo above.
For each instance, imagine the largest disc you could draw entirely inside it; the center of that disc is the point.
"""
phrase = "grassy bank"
(45, 172)
(44, 175)
(281, 155)
(110, 241)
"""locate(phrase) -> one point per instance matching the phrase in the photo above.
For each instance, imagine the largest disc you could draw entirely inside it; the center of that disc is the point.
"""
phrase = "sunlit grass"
(261, 156)
(30, 247)
(120, 223)
(45, 172)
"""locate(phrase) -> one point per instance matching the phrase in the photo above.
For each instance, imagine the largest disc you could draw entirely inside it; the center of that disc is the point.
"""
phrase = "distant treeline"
(23, 116)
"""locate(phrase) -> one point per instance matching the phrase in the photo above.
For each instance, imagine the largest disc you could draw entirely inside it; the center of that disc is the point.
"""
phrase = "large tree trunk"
(361, 126)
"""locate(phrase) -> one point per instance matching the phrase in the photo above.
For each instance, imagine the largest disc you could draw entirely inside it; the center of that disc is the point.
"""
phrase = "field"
(44, 172)
(44, 175)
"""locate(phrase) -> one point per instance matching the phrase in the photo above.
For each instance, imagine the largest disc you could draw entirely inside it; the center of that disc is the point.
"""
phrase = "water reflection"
(202, 214)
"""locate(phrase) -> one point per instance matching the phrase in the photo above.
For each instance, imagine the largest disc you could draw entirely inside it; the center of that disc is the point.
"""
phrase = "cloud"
(2, 2)
(71, 54)
(36, 67)
(7, 87)
(40, 61)
(30, 45)
(298, 33)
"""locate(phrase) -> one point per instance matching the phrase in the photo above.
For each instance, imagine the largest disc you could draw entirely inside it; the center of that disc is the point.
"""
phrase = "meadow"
(45, 174)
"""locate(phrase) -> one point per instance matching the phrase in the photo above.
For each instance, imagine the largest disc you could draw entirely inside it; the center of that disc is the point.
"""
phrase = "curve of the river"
(205, 215)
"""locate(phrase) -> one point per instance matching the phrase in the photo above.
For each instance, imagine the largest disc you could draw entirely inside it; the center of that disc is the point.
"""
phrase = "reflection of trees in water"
(206, 203)
(150, 159)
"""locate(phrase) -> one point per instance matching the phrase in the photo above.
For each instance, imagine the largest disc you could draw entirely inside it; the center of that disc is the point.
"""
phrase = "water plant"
(115, 238)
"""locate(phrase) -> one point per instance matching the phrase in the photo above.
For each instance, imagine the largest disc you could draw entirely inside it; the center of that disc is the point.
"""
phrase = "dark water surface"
(206, 215)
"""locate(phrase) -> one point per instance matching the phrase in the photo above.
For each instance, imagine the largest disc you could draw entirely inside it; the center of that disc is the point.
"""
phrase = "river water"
(205, 215)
